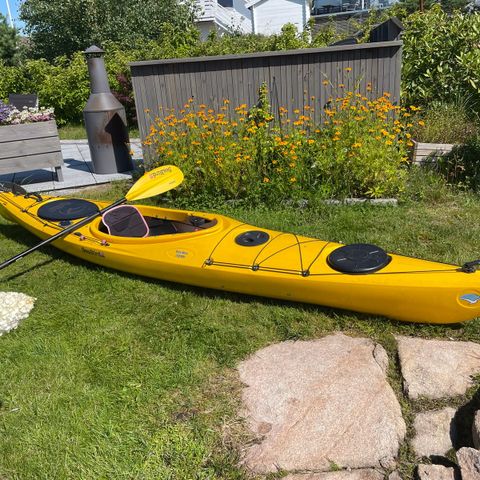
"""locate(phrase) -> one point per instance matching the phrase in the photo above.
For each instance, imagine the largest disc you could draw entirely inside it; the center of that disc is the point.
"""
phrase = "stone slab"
(394, 476)
(434, 432)
(311, 404)
(435, 472)
(437, 368)
(342, 475)
(469, 463)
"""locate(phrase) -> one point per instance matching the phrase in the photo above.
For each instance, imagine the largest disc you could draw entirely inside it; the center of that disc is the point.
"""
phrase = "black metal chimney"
(105, 120)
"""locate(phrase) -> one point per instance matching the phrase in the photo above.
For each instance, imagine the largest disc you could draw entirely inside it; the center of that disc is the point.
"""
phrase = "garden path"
(327, 404)
(77, 171)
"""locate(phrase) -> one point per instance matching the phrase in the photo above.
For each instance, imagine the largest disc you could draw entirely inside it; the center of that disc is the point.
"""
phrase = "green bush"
(445, 123)
(461, 167)
(441, 58)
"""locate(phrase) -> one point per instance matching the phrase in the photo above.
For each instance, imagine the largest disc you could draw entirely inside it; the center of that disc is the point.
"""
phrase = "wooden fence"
(293, 78)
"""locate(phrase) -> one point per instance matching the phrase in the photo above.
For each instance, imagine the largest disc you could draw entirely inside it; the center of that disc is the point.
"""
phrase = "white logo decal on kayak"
(181, 253)
(471, 298)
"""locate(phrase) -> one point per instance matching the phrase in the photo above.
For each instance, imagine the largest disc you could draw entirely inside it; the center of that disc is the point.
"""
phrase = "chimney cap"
(94, 51)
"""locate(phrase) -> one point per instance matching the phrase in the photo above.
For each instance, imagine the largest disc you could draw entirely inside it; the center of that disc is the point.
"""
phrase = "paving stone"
(343, 475)
(476, 430)
(437, 368)
(394, 476)
(469, 463)
(320, 402)
(435, 432)
(435, 472)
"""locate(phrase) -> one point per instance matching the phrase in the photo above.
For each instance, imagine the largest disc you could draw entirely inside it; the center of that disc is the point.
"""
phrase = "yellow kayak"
(218, 252)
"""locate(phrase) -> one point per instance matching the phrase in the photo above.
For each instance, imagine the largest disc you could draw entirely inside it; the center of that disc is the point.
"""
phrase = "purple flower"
(5, 112)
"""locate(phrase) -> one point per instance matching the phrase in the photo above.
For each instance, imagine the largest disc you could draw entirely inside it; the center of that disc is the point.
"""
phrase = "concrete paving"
(77, 170)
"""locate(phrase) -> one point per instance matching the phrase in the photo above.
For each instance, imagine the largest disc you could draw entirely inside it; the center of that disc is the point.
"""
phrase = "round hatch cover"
(252, 238)
(68, 209)
(358, 258)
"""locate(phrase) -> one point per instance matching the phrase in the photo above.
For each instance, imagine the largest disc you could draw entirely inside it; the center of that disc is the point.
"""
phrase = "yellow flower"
(348, 69)
(388, 142)
(293, 180)
(310, 141)
(266, 180)
(183, 156)
(356, 145)
(421, 123)
(296, 111)
(198, 162)
(325, 82)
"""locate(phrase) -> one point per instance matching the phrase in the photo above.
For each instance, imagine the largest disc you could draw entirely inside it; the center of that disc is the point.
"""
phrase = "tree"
(9, 41)
(58, 27)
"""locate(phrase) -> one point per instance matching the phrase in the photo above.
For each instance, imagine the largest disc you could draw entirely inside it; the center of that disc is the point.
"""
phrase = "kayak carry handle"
(470, 267)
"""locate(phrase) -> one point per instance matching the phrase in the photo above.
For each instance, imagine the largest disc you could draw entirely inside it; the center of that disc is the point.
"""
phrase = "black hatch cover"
(67, 209)
(358, 258)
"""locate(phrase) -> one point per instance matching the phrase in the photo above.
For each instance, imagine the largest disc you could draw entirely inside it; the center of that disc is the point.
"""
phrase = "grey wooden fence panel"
(292, 78)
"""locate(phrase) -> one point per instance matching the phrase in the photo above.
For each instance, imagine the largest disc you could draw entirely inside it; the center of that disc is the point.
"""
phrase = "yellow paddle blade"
(155, 182)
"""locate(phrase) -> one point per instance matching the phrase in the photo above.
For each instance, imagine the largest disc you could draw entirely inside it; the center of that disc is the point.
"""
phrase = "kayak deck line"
(214, 251)
(306, 273)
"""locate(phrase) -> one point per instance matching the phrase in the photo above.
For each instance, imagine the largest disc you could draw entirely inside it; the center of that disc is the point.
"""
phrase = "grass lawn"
(78, 132)
(116, 376)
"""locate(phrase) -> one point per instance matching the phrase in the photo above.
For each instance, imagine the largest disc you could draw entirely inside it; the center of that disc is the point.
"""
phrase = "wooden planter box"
(422, 151)
(30, 146)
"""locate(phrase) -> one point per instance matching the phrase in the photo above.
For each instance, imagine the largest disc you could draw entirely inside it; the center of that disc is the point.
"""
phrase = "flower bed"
(360, 150)
(29, 140)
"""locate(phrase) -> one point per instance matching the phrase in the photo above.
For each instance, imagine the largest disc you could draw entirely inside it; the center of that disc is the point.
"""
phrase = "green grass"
(117, 376)
(78, 132)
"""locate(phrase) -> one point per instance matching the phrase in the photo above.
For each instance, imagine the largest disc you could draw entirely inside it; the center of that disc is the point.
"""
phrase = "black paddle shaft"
(61, 234)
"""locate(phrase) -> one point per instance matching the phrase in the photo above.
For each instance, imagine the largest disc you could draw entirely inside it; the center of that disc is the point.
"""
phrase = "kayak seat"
(125, 221)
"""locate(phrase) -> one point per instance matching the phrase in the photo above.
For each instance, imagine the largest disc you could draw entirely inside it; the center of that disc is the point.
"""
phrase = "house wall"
(269, 16)
(239, 6)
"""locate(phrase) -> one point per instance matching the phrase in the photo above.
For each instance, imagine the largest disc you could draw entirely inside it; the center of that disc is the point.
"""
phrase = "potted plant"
(29, 140)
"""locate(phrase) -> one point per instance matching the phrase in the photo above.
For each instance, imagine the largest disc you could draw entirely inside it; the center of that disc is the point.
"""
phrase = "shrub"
(461, 167)
(441, 58)
(445, 123)
(240, 154)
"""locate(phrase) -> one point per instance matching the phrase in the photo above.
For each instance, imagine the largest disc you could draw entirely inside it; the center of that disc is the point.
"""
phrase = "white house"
(269, 16)
(223, 16)
(251, 16)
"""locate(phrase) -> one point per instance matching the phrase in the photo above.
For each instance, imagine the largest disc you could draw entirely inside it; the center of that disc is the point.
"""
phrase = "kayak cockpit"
(136, 225)
(161, 225)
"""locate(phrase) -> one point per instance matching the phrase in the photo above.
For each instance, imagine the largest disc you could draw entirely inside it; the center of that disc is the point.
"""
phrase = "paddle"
(154, 182)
